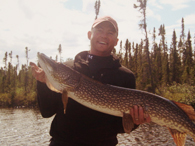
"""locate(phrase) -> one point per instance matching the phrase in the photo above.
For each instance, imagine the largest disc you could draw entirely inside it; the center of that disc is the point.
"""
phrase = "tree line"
(165, 70)
(17, 86)
(168, 64)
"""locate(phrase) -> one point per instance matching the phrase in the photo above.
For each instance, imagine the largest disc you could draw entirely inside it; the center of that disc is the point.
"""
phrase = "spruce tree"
(147, 64)
(175, 61)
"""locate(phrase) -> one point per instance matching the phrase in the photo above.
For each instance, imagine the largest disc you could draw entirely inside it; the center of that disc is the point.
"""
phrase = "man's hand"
(38, 72)
(138, 115)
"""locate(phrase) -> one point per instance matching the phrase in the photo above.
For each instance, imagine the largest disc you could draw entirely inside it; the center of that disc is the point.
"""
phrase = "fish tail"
(178, 137)
(189, 110)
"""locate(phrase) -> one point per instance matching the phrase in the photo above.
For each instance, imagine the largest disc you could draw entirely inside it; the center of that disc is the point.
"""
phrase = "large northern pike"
(117, 101)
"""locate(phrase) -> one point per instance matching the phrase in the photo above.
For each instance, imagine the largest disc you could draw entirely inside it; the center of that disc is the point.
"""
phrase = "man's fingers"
(134, 113)
(141, 114)
(38, 72)
(34, 67)
(138, 115)
(147, 117)
(32, 64)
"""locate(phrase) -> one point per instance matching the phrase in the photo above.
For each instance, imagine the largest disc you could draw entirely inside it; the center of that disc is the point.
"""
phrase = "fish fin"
(127, 123)
(65, 99)
(178, 137)
(188, 109)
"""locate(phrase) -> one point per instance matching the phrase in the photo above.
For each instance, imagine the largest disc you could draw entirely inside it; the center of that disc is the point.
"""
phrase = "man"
(81, 125)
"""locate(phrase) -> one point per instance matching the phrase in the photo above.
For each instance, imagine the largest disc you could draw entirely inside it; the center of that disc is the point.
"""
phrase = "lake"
(23, 127)
(26, 127)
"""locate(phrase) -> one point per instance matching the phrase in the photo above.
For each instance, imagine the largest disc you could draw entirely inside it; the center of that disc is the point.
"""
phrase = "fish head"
(59, 77)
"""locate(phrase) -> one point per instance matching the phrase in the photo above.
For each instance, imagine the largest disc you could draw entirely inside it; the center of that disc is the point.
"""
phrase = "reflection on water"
(26, 127)
(23, 127)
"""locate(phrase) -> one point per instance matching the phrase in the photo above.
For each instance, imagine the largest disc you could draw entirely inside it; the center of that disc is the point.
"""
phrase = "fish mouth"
(46, 62)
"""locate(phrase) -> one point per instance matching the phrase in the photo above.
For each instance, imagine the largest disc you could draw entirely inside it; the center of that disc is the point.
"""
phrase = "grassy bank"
(183, 93)
(18, 98)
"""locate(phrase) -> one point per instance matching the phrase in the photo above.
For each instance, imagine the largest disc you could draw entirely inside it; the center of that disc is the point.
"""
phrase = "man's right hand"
(38, 73)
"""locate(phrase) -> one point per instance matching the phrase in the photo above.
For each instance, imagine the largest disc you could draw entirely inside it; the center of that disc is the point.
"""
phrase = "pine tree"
(182, 41)
(132, 58)
(97, 8)
(156, 60)
(5, 61)
(26, 71)
(126, 57)
(165, 65)
(4, 78)
(140, 83)
(175, 60)
(147, 64)
(188, 61)
(60, 52)
(120, 54)
(17, 66)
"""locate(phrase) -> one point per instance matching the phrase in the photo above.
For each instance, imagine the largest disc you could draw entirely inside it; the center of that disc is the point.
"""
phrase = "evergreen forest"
(166, 70)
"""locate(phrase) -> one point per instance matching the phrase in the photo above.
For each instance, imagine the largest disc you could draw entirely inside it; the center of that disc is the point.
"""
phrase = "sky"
(41, 25)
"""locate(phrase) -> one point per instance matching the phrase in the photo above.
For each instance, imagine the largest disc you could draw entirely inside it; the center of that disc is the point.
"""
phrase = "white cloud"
(88, 6)
(176, 4)
(151, 13)
(155, 4)
(42, 25)
(190, 19)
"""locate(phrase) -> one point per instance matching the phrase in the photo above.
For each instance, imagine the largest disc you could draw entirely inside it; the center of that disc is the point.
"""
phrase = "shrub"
(183, 93)
(5, 99)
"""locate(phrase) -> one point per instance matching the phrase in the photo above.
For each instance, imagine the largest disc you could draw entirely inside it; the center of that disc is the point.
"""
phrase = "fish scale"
(169, 115)
(114, 100)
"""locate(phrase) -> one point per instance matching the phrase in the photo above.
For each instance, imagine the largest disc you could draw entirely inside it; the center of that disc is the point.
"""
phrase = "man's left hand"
(138, 115)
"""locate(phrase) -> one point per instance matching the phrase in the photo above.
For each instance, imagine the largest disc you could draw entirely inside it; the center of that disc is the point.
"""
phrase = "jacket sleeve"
(48, 100)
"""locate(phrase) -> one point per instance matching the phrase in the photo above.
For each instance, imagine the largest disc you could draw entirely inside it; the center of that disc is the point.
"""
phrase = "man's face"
(103, 39)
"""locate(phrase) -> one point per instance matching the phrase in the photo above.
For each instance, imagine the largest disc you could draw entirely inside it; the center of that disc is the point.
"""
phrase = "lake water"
(26, 127)
(23, 127)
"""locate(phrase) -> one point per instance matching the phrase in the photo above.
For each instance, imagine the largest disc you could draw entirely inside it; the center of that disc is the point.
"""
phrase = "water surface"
(23, 127)
(26, 127)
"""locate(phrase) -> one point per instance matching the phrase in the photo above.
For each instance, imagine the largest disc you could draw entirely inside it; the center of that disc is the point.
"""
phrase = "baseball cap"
(103, 19)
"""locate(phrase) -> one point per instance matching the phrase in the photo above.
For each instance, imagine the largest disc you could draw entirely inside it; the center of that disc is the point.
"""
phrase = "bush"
(5, 99)
(20, 99)
(183, 93)
(31, 99)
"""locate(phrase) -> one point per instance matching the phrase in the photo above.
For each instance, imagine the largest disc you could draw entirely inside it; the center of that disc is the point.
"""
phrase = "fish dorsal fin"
(65, 99)
(178, 137)
(188, 109)
(127, 123)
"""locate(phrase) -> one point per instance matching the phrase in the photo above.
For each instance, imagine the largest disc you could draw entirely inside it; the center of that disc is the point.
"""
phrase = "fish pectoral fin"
(178, 137)
(65, 99)
(127, 123)
(188, 109)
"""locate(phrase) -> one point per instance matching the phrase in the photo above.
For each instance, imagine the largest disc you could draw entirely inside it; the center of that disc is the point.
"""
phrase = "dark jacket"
(81, 125)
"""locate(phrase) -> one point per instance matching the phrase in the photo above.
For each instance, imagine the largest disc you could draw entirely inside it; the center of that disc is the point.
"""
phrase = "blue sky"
(41, 25)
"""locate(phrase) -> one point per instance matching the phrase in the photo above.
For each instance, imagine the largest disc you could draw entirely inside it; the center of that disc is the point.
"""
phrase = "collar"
(103, 62)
